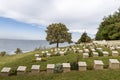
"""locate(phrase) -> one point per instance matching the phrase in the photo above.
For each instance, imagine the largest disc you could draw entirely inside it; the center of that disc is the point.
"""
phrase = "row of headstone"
(82, 66)
(105, 53)
(56, 51)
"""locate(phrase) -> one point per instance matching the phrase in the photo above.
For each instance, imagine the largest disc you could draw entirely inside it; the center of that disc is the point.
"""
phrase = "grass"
(73, 75)
(27, 59)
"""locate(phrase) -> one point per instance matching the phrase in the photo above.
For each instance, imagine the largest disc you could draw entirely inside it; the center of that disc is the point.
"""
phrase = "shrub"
(18, 51)
(3, 53)
(33, 60)
(106, 66)
(44, 59)
(99, 52)
(74, 65)
(13, 72)
(44, 54)
(78, 58)
(89, 67)
(90, 53)
(58, 68)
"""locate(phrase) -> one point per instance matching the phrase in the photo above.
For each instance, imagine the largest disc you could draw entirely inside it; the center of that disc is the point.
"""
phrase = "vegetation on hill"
(84, 38)
(109, 29)
(27, 59)
(58, 33)
(18, 51)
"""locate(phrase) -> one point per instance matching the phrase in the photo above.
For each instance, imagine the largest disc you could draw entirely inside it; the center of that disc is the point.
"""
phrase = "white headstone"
(21, 68)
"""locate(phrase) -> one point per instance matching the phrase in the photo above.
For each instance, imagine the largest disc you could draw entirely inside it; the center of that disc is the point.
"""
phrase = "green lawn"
(27, 59)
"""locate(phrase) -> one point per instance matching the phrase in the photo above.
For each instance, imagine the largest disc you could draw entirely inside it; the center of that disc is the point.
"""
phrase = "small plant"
(78, 58)
(58, 68)
(90, 53)
(18, 51)
(90, 67)
(3, 53)
(33, 60)
(44, 54)
(106, 66)
(74, 65)
(13, 72)
(44, 59)
(99, 52)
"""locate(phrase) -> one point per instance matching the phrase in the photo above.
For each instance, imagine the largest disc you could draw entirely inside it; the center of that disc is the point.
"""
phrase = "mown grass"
(27, 59)
(73, 75)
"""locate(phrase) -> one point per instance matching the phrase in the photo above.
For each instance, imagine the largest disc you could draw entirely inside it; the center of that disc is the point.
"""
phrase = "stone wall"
(110, 42)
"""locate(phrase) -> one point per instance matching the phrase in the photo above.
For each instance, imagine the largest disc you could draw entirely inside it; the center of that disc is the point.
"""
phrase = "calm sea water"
(10, 45)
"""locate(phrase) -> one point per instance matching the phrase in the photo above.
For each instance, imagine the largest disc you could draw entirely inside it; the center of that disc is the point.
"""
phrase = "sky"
(28, 19)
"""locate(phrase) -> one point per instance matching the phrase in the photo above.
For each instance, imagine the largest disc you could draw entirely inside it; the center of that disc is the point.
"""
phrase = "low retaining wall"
(110, 42)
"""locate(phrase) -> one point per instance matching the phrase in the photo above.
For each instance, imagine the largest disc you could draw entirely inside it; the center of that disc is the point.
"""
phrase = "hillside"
(28, 59)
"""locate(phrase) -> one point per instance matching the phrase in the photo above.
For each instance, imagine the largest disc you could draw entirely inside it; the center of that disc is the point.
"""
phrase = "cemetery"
(76, 58)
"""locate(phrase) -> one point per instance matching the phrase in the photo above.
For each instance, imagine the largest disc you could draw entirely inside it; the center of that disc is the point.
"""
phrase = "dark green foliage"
(13, 72)
(44, 59)
(58, 68)
(33, 60)
(44, 54)
(90, 53)
(78, 58)
(58, 33)
(100, 53)
(74, 65)
(84, 38)
(106, 66)
(90, 67)
(3, 53)
(18, 51)
(109, 29)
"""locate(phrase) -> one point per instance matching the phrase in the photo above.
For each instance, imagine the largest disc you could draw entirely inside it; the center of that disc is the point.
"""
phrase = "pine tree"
(84, 38)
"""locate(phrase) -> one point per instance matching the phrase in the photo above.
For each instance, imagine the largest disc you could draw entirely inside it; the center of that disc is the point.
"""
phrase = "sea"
(10, 45)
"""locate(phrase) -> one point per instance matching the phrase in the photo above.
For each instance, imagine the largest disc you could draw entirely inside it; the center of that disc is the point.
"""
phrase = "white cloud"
(78, 15)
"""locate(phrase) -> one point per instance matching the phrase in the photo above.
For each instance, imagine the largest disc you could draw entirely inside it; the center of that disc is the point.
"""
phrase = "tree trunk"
(57, 44)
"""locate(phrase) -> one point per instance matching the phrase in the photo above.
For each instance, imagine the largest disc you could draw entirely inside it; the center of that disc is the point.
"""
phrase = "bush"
(18, 51)
(58, 68)
(13, 72)
(44, 59)
(99, 52)
(74, 65)
(106, 66)
(3, 53)
(89, 67)
(33, 60)
(90, 53)
(44, 54)
(78, 58)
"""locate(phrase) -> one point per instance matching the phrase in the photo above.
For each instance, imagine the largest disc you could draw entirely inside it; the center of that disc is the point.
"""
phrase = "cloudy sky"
(28, 19)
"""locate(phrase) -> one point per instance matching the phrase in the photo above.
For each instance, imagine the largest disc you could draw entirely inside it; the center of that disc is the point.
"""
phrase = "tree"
(109, 28)
(58, 33)
(84, 38)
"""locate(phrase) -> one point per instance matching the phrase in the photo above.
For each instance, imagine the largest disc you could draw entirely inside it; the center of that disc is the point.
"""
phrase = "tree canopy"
(109, 29)
(58, 33)
(84, 38)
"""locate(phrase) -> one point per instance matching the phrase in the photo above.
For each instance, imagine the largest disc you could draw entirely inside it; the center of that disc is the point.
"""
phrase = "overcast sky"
(78, 15)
